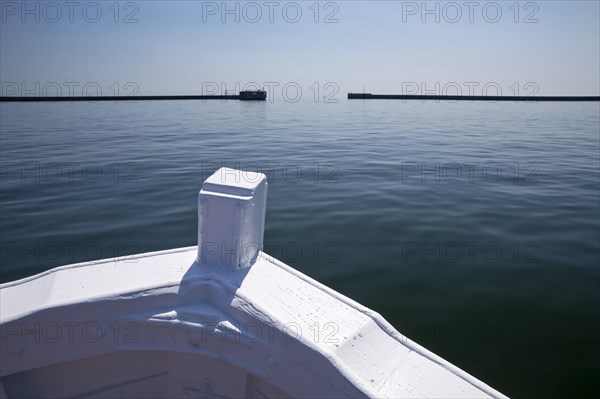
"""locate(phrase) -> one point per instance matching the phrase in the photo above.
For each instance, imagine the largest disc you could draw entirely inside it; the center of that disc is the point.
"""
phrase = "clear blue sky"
(387, 46)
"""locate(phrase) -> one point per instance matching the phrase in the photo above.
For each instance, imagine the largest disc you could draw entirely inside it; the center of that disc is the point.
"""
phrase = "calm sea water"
(474, 228)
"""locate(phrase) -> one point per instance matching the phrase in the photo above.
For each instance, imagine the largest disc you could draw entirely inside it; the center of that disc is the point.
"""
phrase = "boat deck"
(284, 322)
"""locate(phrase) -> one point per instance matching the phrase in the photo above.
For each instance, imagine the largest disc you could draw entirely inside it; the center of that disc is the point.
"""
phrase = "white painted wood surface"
(165, 324)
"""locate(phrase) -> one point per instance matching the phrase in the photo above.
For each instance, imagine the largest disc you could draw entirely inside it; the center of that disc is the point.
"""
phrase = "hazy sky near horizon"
(193, 47)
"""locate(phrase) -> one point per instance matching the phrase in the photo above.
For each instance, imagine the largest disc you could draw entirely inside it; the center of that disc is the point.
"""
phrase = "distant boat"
(220, 320)
(253, 95)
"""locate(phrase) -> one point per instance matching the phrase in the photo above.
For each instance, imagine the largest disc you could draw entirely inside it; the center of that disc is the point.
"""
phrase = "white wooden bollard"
(231, 218)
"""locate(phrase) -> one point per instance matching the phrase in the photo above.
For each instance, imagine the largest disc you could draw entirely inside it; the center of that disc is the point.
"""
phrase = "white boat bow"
(220, 320)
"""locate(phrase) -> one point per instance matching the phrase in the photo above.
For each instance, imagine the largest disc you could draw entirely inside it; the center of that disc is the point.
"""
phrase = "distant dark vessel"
(253, 95)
